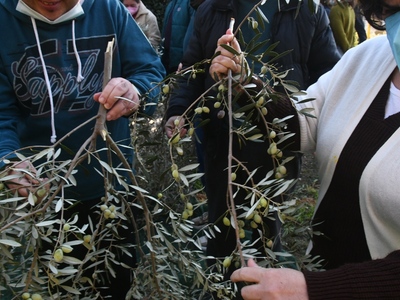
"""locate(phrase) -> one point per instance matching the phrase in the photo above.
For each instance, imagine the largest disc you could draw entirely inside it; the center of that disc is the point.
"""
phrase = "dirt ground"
(309, 171)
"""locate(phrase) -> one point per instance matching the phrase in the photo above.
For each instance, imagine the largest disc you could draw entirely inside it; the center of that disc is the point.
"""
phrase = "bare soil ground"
(297, 229)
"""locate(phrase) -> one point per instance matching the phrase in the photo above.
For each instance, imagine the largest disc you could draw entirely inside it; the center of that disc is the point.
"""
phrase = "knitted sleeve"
(375, 279)
(280, 107)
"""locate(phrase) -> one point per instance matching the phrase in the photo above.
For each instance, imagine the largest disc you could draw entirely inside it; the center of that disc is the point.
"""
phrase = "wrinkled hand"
(111, 97)
(226, 60)
(171, 128)
(271, 284)
(26, 181)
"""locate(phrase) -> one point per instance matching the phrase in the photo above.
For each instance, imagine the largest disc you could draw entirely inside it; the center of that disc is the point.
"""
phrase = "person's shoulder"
(210, 7)
(373, 49)
(379, 41)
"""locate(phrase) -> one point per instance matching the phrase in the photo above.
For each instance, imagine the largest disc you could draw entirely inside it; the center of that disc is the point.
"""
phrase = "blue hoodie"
(25, 112)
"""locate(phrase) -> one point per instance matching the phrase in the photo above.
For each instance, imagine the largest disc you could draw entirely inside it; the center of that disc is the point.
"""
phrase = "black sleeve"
(375, 279)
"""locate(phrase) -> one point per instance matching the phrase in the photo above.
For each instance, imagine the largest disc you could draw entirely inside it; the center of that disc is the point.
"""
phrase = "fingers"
(248, 274)
(119, 97)
(25, 181)
(221, 65)
(252, 264)
(173, 125)
(227, 60)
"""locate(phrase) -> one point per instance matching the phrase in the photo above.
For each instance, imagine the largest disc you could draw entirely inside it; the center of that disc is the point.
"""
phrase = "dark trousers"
(109, 287)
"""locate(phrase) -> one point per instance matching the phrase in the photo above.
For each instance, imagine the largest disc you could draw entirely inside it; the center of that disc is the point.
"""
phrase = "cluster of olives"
(188, 211)
(109, 212)
(28, 296)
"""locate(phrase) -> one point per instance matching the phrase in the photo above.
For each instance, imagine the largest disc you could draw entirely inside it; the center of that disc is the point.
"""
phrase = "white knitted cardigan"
(341, 98)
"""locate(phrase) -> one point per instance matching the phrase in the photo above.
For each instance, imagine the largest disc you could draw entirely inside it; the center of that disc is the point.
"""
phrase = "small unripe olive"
(282, 169)
(273, 149)
(217, 104)
(242, 233)
(175, 139)
(250, 216)
(272, 134)
(263, 202)
(233, 176)
(26, 296)
(179, 150)
(206, 110)
(66, 227)
(226, 221)
(58, 255)
(264, 69)
(264, 111)
(189, 206)
(41, 192)
(254, 24)
(227, 262)
(87, 238)
(198, 110)
(260, 101)
(107, 213)
(175, 174)
(66, 248)
(36, 297)
(257, 218)
(185, 214)
(165, 89)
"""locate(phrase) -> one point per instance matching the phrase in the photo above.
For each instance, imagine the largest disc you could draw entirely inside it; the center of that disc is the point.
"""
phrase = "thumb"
(251, 263)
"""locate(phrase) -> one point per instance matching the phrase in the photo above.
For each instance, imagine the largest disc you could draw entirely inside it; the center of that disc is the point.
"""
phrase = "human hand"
(119, 97)
(25, 180)
(287, 284)
(226, 60)
(171, 128)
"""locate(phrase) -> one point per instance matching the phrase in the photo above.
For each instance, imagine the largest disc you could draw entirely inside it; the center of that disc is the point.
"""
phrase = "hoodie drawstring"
(53, 137)
(79, 77)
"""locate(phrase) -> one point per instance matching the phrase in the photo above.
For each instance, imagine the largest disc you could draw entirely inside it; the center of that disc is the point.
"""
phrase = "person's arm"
(263, 283)
(188, 89)
(375, 279)
(10, 113)
(9, 117)
(323, 51)
(141, 67)
(281, 108)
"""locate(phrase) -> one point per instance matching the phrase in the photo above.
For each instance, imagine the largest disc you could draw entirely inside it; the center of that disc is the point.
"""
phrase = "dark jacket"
(314, 53)
(309, 35)
(178, 14)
